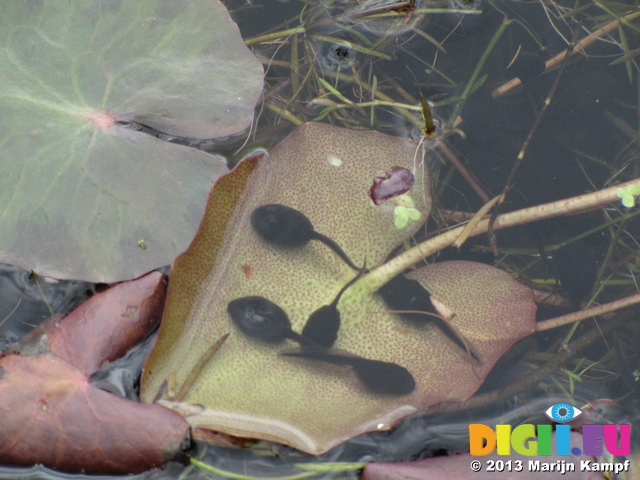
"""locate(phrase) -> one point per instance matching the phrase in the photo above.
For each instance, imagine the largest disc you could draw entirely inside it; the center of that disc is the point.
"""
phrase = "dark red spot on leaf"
(397, 181)
(247, 270)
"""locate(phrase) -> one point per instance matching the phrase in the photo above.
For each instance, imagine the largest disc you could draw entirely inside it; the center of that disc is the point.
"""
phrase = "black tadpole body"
(402, 293)
(377, 376)
(322, 326)
(288, 227)
(262, 319)
(409, 298)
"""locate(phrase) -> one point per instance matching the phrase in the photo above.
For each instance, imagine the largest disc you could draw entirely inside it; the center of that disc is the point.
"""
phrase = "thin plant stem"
(465, 173)
(587, 313)
(523, 151)
(237, 476)
(295, 66)
(476, 72)
(474, 221)
(11, 312)
(580, 47)
(274, 35)
(311, 469)
(286, 114)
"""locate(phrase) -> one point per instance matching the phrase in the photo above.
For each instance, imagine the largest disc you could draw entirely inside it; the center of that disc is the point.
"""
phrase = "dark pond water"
(585, 140)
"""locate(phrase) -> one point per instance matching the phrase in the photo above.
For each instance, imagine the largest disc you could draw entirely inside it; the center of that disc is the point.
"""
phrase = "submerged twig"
(523, 151)
(587, 313)
(579, 48)
(464, 235)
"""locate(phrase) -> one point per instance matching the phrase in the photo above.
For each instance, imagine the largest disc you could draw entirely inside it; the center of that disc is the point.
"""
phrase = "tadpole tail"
(455, 336)
(377, 376)
(300, 339)
(362, 271)
(336, 248)
(323, 357)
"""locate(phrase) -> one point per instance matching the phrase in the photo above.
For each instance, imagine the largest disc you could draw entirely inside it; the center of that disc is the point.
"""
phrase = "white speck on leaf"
(335, 161)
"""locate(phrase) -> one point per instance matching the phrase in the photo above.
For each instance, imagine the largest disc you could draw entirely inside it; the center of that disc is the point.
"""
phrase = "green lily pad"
(248, 388)
(78, 193)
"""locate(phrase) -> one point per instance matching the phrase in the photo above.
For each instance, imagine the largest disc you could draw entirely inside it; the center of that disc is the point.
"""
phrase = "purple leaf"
(397, 181)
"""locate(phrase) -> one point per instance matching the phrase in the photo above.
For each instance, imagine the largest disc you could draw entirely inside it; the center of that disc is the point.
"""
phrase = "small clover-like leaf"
(405, 211)
(629, 201)
(405, 200)
(414, 214)
(401, 217)
(628, 195)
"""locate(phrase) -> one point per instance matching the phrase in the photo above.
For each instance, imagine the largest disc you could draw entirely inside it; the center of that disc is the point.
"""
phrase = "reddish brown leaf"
(49, 414)
(397, 181)
(102, 328)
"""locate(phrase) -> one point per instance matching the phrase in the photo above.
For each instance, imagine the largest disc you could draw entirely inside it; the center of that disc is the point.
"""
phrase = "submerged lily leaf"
(80, 194)
(102, 328)
(49, 414)
(249, 388)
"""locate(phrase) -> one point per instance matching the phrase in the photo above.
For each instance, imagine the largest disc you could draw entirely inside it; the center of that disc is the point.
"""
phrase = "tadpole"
(262, 319)
(323, 324)
(376, 375)
(287, 227)
(409, 299)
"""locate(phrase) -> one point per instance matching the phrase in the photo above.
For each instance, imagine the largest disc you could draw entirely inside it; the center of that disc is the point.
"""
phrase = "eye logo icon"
(563, 413)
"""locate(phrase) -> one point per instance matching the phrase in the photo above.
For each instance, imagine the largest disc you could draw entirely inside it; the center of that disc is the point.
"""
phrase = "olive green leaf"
(249, 388)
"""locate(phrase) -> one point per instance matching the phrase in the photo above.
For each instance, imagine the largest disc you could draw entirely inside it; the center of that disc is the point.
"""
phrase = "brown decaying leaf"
(248, 389)
(103, 328)
(49, 414)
